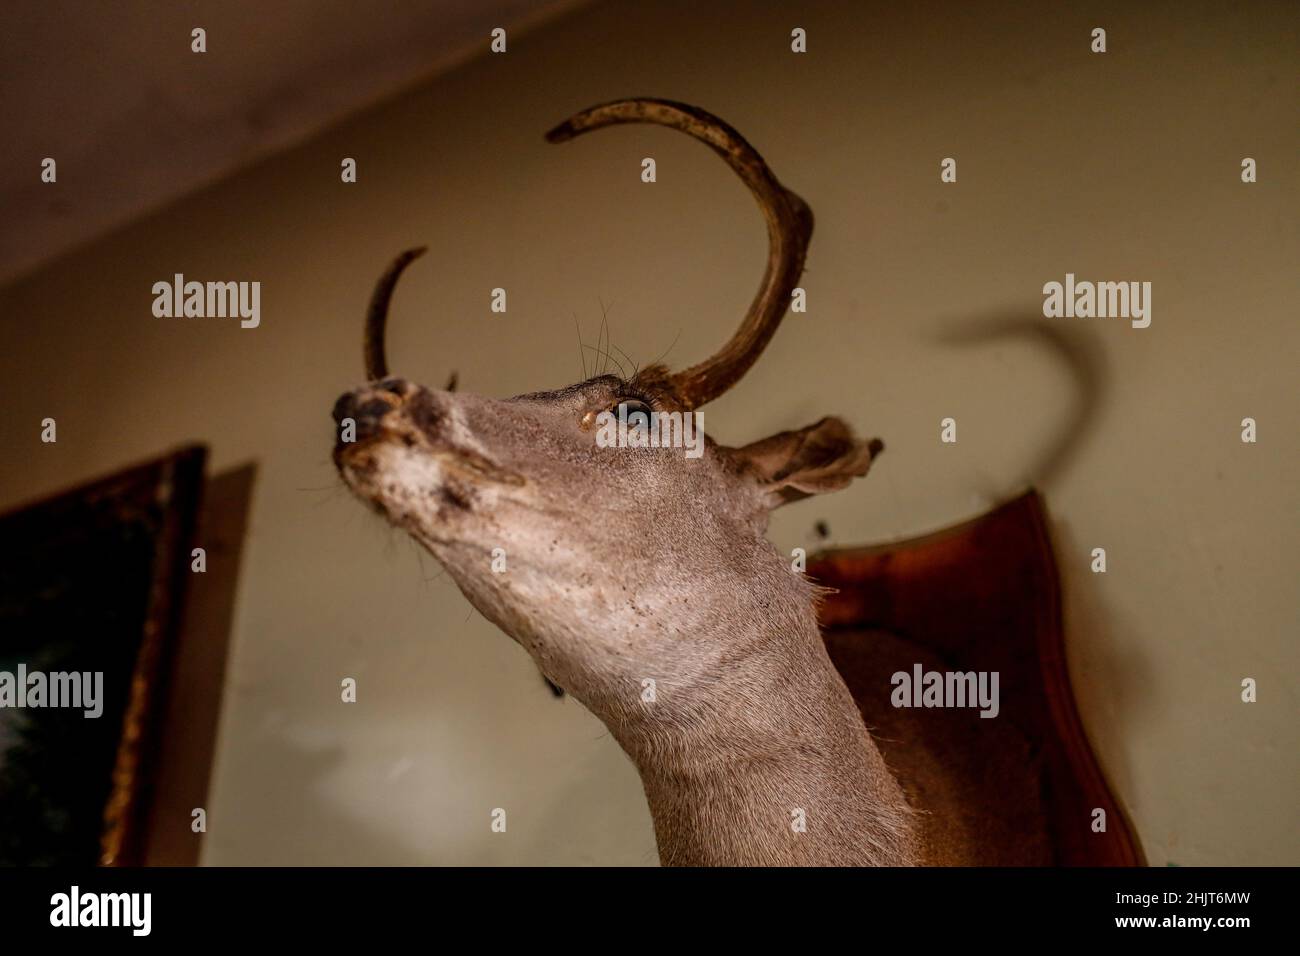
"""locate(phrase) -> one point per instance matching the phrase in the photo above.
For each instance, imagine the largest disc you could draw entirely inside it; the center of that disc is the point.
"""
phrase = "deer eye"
(633, 411)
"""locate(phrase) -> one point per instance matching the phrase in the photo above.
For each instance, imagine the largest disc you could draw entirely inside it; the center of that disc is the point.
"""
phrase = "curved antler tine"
(789, 227)
(377, 314)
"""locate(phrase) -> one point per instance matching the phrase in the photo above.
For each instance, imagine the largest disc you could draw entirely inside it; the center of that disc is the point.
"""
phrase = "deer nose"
(366, 407)
(374, 399)
(397, 386)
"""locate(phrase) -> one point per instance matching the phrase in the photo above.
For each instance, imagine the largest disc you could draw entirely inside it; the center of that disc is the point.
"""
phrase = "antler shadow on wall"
(1106, 669)
(1076, 349)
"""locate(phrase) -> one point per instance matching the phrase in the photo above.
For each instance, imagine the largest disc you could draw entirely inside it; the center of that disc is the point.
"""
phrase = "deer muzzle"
(363, 415)
(403, 413)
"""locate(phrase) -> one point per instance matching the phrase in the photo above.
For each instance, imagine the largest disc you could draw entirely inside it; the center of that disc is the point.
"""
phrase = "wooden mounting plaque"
(1023, 787)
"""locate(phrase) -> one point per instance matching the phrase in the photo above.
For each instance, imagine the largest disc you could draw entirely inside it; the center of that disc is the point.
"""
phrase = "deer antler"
(377, 313)
(789, 227)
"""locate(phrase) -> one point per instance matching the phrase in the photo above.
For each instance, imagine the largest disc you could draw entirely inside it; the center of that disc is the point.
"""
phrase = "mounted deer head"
(632, 564)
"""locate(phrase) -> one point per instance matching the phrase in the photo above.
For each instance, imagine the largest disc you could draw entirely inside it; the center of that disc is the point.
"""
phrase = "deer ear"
(813, 460)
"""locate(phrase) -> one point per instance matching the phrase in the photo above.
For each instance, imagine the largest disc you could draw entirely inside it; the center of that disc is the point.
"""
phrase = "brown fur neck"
(774, 766)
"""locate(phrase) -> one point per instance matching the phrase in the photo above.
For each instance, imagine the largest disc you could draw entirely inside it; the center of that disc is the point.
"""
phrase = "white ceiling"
(134, 119)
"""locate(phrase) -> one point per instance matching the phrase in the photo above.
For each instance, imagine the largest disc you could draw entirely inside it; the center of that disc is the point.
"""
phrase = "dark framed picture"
(91, 586)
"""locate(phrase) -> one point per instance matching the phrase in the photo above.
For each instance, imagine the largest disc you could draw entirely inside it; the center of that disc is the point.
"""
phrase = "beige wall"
(924, 302)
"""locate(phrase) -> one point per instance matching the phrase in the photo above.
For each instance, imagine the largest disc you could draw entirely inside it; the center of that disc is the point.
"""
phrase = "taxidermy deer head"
(639, 578)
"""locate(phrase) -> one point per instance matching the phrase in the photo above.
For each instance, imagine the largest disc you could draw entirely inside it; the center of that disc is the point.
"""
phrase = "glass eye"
(627, 408)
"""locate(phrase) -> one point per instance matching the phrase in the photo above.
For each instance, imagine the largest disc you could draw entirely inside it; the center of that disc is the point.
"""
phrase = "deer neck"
(775, 766)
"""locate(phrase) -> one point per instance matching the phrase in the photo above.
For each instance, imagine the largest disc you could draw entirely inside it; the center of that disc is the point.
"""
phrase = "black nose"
(397, 386)
(366, 407)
